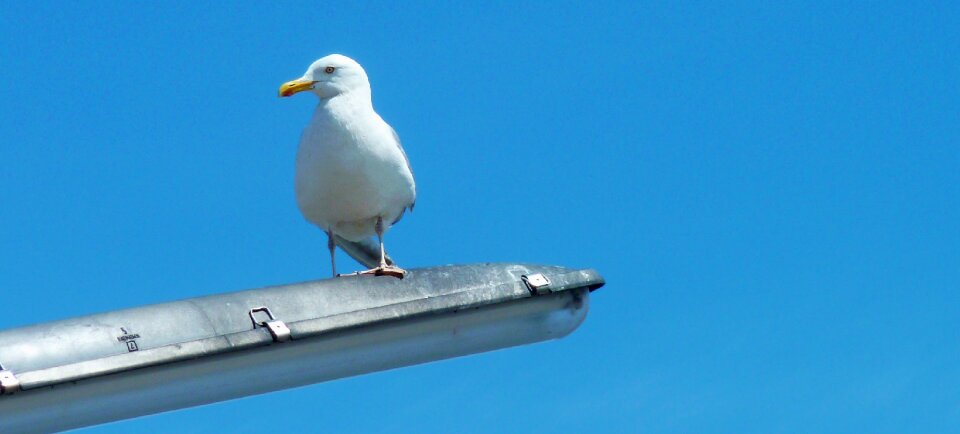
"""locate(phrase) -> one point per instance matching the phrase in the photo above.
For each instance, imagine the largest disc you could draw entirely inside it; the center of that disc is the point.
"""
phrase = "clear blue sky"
(771, 189)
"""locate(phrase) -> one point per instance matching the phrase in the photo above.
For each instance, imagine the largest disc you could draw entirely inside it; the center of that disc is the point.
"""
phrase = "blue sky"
(770, 189)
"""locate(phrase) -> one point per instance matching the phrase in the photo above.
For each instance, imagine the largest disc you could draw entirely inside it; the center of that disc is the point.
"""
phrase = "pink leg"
(384, 269)
(333, 252)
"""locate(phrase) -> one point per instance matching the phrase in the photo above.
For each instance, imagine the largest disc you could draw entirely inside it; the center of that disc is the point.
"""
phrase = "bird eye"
(329, 69)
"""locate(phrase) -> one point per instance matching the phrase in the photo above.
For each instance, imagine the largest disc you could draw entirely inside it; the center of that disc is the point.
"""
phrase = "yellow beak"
(294, 86)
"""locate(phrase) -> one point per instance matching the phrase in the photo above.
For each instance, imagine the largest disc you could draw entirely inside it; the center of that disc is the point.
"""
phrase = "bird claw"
(385, 270)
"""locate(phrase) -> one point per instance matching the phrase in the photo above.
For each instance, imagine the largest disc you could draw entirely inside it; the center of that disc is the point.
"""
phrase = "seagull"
(353, 178)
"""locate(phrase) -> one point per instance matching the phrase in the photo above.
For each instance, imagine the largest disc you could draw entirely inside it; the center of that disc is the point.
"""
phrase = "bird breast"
(349, 173)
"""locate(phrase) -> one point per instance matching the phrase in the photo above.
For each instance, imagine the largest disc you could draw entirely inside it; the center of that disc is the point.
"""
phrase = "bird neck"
(354, 105)
(354, 102)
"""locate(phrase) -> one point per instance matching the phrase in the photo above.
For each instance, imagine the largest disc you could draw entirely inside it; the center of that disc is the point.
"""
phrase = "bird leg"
(333, 250)
(384, 269)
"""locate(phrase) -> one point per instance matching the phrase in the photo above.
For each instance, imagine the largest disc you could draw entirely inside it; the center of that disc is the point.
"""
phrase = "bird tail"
(366, 252)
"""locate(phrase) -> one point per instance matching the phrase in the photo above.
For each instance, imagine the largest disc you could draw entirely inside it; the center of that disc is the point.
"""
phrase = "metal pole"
(99, 368)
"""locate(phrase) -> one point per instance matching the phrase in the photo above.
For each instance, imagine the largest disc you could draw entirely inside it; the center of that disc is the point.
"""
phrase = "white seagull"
(353, 178)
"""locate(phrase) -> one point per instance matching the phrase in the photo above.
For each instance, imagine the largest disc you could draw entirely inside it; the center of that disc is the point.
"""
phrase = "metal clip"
(8, 382)
(536, 283)
(279, 330)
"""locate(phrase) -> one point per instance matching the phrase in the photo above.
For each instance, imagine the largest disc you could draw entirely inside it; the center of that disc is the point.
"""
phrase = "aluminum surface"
(84, 371)
(9, 383)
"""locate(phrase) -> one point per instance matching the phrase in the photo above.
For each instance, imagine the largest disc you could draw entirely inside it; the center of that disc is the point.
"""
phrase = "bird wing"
(407, 160)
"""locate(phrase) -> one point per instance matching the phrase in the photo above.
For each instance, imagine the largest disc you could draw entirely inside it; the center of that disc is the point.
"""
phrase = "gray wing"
(410, 168)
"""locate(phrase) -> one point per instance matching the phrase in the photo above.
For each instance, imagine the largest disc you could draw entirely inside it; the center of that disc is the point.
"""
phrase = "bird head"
(328, 77)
